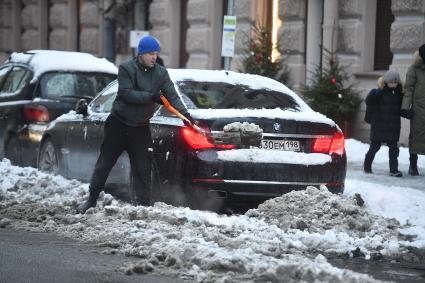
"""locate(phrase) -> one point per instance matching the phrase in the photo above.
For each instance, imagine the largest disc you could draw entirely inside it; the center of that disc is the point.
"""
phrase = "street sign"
(135, 36)
(229, 33)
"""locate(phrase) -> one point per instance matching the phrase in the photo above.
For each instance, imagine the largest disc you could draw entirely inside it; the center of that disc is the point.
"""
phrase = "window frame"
(21, 84)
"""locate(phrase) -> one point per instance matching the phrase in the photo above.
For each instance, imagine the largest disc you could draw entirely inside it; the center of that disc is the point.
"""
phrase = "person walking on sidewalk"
(141, 81)
(383, 109)
(414, 106)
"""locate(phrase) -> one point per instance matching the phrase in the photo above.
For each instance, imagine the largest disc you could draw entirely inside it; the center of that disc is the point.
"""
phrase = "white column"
(367, 45)
(314, 37)
(330, 26)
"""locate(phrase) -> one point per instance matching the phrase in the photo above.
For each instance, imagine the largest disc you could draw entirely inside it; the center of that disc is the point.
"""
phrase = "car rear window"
(56, 85)
(218, 95)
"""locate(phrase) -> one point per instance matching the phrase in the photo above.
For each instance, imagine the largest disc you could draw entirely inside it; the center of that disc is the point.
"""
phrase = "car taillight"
(329, 145)
(198, 141)
(36, 113)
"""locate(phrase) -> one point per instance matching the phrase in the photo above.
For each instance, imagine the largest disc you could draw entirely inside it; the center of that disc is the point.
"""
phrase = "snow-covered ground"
(287, 237)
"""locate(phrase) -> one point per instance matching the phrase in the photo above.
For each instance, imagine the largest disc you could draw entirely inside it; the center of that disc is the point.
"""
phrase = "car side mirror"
(81, 107)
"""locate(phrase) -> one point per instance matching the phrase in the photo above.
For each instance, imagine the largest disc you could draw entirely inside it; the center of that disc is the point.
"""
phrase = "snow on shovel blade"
(250, 134)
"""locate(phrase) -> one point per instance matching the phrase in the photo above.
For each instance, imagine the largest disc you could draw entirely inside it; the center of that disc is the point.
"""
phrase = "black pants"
(136, 141)
(393, 153)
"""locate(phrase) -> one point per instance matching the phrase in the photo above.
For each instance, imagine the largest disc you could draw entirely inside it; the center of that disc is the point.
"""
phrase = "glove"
(193, 121)
(408, 114)
(81, 107)
(156, 98)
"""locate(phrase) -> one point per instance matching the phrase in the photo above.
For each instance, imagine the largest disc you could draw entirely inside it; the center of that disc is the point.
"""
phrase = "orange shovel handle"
(180, 115)
(173, 110)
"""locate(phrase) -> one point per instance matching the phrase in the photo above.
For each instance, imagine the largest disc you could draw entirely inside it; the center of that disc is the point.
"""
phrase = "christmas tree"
(257, 58)
(330, 93)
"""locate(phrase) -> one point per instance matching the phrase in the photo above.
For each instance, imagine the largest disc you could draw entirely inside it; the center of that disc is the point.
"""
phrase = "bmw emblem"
(276, 127)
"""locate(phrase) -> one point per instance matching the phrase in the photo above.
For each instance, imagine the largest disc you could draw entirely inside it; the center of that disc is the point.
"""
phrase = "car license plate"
(289, 145)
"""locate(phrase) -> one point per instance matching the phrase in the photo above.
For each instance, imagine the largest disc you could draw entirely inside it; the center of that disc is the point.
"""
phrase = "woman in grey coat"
(414, 103)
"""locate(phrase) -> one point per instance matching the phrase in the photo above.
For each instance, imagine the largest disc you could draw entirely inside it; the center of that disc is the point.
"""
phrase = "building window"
(384, 19)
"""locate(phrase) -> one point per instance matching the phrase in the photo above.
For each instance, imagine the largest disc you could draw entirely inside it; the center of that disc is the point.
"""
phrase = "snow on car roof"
(234, 78)
(254, 82)
(52, 60)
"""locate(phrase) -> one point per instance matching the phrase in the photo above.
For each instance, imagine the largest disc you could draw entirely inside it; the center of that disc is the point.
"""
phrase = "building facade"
(368, 36)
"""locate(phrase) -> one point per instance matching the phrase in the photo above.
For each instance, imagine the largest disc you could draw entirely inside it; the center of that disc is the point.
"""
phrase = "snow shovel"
(181, 116)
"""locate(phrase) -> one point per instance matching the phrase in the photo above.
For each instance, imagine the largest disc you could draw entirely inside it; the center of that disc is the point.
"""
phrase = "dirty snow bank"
(200, 246)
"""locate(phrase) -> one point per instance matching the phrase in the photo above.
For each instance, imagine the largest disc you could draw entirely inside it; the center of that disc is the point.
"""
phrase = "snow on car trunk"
(288, 236)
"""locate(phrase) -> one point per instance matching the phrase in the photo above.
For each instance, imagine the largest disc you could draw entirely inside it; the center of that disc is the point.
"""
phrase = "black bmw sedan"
(259, 140)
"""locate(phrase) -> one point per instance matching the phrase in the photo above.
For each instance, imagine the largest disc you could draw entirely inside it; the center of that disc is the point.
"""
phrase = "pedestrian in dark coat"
(383, 113)
(414, 106)
(141, 81)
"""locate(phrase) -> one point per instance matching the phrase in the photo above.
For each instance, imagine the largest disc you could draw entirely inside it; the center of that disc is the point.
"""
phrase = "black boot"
(396, 174)
(367, 164)
(413, 167)
(91, 202)
(393, 154)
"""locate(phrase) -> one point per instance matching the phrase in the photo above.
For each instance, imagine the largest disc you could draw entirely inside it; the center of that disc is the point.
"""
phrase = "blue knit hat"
(148, 44)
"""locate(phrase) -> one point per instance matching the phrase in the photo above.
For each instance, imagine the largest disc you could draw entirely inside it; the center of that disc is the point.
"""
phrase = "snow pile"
(316, 211)
(399, 198)
(341, 220)
(194, 245)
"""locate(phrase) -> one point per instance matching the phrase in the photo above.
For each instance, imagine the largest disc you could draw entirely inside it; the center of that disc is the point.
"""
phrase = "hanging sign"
(135, 36)
(229, 33)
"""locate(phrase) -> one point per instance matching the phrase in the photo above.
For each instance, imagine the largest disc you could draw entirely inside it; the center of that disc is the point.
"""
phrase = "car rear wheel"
(48, 159)
(13, 150)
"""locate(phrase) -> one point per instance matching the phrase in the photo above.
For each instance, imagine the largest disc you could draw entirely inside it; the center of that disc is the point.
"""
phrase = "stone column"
(330, 27)
(314, 37)
(292, 39)
(58, 20)
(165, 20)
(90, 26)
(72, 38)
(43, 24)
(30, 33)
(6, 33)
(203, 41)
(407, 32)
(16, 25)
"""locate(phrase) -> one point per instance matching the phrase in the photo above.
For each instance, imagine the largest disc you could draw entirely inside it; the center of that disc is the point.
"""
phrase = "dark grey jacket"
(137, 85)
(414, 96)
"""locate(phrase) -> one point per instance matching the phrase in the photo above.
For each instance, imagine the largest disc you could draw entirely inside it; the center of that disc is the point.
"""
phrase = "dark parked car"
(38, 86)
(260, 141)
